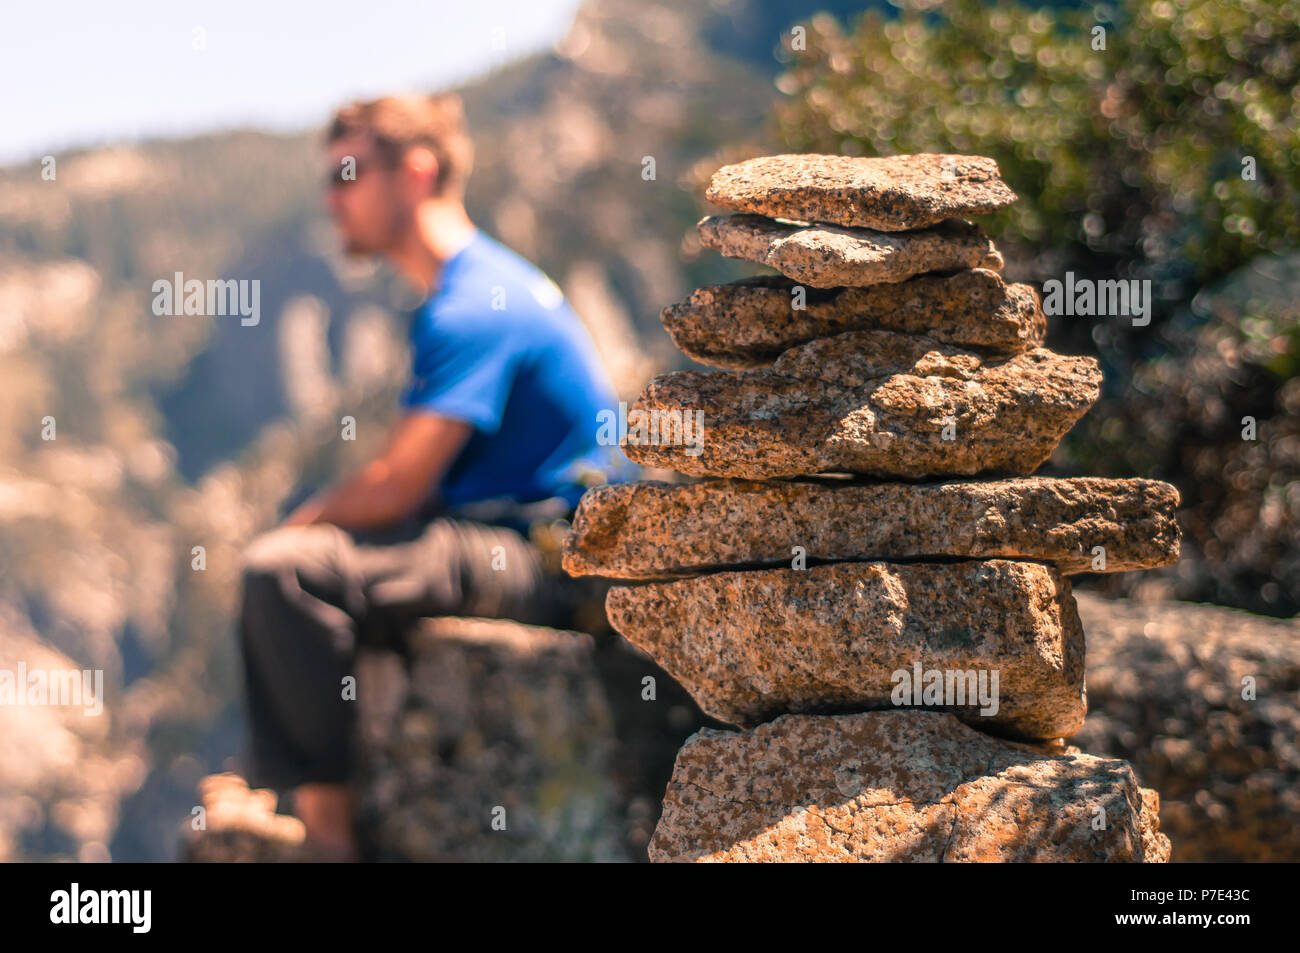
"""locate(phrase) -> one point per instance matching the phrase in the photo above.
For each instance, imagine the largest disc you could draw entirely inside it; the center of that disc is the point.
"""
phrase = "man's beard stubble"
(391, 238)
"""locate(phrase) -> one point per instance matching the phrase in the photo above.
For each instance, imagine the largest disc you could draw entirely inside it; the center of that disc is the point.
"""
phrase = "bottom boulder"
(492, 744)
(911, 786)
(1205, 701)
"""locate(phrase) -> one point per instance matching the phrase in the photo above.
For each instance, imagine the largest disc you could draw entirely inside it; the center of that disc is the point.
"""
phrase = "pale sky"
(83, 73)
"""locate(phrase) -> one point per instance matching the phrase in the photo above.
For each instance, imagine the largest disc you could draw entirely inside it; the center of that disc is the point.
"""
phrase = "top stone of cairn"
(890, 194)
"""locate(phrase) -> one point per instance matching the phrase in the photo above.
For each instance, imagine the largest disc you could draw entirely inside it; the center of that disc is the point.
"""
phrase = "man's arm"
(420, 449)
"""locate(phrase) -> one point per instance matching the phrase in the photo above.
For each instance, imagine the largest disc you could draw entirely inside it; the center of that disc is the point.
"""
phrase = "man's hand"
(420, 449)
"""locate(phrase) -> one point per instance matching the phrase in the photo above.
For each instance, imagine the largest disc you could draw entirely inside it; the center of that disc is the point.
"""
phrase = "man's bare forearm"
(420, 448)
(367, 500)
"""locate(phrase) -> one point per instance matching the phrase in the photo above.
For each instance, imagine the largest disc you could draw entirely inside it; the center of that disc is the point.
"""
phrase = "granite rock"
(856, 357)
(1205, 701)
(826, 256)
(897, 786)
(892, 193)
(493, 743)
(749, 646)
(658, 530)
(750, 322)
(1004, 417)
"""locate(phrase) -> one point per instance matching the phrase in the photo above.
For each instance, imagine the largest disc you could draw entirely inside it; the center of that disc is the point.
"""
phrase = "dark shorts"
(313, 595)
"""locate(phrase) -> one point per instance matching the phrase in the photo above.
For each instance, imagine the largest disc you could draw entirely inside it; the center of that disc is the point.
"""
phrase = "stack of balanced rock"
(904, 658)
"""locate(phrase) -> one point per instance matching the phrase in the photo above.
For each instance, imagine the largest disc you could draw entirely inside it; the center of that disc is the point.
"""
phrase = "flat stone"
(656, 530)
(903, 786)
(855, 357)
(750, 646)
(890, 194)
(750, 322)
(1003, 417)
(826, 256)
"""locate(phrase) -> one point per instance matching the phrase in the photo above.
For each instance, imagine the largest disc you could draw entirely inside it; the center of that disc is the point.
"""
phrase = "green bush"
(1151, 139)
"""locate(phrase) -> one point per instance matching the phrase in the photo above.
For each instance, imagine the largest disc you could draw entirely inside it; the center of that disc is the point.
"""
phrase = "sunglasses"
(337, 177)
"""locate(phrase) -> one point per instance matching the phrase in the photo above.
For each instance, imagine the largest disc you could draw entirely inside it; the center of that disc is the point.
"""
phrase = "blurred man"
(498, 426)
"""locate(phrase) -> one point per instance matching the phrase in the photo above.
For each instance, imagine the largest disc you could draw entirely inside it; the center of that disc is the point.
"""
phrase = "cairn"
(896, 641)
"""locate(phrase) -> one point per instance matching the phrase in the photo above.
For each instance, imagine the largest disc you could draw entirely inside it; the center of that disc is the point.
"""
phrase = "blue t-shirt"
(497, 346)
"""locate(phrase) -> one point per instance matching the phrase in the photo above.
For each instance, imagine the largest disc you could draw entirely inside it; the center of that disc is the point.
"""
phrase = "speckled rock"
(658, 530)
(750, 322)
(828, 255)
(1205, 701)
(892, 193)
(749, 646)
(907, 786)
(493, 744)
(1005, 417)
(855, 357)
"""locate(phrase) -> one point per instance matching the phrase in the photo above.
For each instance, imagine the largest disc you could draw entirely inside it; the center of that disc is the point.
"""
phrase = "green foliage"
(1133, 160)
(1132, 153)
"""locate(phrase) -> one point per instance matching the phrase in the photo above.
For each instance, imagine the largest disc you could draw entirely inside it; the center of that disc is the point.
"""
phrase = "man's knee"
(289, 549)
